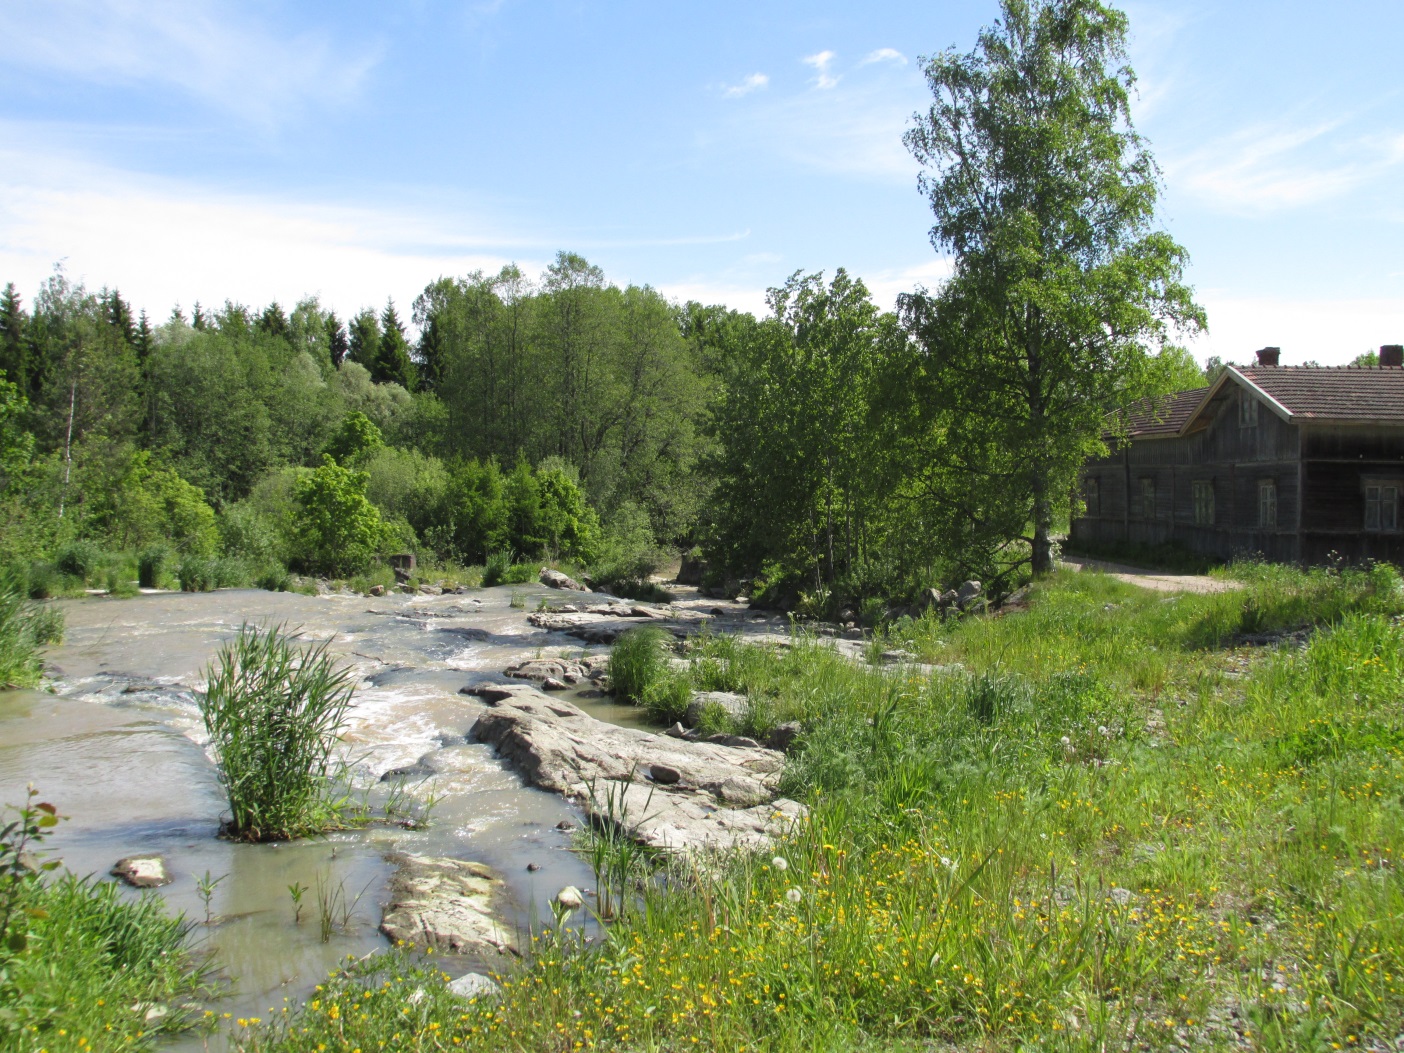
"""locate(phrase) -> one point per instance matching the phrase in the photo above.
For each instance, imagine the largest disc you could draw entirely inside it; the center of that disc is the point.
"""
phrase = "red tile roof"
(1163, 416)
(1351, 394)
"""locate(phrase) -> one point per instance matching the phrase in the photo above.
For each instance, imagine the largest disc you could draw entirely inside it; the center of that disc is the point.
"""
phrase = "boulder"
(448, 905)
(783, 736)
(969, 592)
(556, 580)
(733, 705)
(543, 669)
(142, 871)
(377, 590)
(475, 985)
(691, 571)
(722, 796)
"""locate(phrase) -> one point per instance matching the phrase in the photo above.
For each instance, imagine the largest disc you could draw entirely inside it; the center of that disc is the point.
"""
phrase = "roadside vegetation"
(1106, 821)
(82, 966)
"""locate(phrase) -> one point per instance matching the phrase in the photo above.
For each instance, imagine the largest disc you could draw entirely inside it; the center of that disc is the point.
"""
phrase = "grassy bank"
(1103, 824)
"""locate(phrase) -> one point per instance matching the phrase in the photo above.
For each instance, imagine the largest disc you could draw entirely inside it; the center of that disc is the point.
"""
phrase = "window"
(1247, 411)
(1147, 498)
(1092, 497)
(1381, 506)
(1267, 504)
(1203, 502)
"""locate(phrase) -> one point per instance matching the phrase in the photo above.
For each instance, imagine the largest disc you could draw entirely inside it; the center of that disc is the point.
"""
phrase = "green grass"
(25, 627)
(1100, 827)
(82, 966)
(273, 711)
(638, 662)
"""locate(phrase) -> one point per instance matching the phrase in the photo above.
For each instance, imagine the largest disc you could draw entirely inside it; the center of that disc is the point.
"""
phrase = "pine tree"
(337, 341)
(15, 360)
(118, 314)
(273, 321)
(364, 346)
(431, 354)
(198, 320)
(392, 362)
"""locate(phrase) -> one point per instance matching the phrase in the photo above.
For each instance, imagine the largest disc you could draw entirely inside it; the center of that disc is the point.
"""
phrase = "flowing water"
(117, 745)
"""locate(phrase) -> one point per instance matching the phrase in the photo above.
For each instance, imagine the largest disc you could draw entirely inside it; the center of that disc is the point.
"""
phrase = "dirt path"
(1152, 579)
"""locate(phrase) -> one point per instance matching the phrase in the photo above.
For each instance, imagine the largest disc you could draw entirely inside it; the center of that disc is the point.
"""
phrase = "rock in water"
(447, 904)
(556, 580)
(142, 871)
(723, 796)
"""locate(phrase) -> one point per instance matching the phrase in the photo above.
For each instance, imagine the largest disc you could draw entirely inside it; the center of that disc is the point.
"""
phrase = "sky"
(199, 150)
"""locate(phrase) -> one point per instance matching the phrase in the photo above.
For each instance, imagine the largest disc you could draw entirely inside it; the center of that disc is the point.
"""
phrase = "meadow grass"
(273, 711)
(25, 627)
(1098, 826)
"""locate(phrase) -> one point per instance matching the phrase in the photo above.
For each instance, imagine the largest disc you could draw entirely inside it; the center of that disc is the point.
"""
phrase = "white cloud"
(1328, 331)
(821, 63)
(206, 48)
(884, 55)
(1268, 169)
(164, 243)
(747, 85)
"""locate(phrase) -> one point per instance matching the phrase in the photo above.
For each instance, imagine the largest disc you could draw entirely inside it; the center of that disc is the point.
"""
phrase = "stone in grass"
(142, 871)
(447, 904)
(733, 705)
(475, 985)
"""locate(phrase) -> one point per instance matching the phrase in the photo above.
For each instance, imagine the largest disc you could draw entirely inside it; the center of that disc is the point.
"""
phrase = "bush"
(274, 579)
(152, 567)
(639, 661)
(197, 574)
(78, 559)
(337, 529)
(25, 627)
(43, 581)
(273, 712)
(496, 569)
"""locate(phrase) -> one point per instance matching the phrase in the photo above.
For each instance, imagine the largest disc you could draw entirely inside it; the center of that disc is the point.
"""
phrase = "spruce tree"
(14, 341)
(199, 320)
(337, 341)
(273, 321)
(392, 362)
(364, 344)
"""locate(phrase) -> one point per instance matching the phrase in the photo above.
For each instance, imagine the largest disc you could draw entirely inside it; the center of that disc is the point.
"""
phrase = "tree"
(364, 344)
(392, 363)
(336, 528)
(357, 439)
(337, 342)
(1045, 195)
(15, 362)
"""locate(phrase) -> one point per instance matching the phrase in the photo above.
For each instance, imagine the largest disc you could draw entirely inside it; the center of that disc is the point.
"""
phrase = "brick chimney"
(1268, 356)
(1392, 355)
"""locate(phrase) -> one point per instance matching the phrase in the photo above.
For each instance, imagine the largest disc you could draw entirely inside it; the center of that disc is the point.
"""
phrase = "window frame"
(1247, 410)
(1267, 499)
(1384, 523)
(1203, 494)
(1147, 501)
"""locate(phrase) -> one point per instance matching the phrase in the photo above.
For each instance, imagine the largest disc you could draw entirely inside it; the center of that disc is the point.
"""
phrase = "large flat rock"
(667, 792)
(449, 905)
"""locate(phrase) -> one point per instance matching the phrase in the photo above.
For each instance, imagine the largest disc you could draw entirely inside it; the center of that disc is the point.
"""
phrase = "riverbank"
(1120, 818)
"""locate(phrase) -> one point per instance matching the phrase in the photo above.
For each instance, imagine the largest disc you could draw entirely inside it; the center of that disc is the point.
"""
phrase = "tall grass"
(273, 711)
(1092, 830)
(639, 660)
(25, 627)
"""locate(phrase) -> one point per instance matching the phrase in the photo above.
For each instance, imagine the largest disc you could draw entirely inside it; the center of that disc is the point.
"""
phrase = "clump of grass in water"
(639, 660)
(273, 712)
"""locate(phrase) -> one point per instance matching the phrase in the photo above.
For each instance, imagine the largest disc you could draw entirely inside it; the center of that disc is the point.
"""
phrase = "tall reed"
(273, 712)
(25, 627)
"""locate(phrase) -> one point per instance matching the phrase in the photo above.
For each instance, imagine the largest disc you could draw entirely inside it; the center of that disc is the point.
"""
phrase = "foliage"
(273, 711)
(357, 438)
(1045, 195)
(81, 966)
(638, 662)
(336, 530)
(1100, 834)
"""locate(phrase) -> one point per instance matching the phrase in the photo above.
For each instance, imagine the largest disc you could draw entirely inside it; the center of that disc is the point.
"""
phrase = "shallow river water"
(117, 745)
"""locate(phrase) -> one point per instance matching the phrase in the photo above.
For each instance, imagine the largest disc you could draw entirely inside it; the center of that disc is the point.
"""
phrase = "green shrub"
(231, 573)
(43, 581)
(152, 564)
(496, 568)
(639, 660)
(78, 559)
(273, 712)
(336, 529)
(25, 627)
(667, 698)
(197, 574)
(274, 579)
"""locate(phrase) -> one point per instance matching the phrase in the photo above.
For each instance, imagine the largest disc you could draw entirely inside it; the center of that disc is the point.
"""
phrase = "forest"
(828, 455)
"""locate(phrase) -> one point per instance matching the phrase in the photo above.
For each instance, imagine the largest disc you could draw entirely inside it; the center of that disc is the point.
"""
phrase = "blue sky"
(184, 150)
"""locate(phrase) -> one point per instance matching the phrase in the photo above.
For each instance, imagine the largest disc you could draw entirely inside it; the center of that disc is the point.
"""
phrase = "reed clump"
(273, 711)
(25, 627)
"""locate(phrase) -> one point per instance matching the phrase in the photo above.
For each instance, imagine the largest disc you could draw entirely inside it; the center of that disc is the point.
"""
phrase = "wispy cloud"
(747, 85)
(1273, 168)
(821, 63)
(884, 55)
(213, 50)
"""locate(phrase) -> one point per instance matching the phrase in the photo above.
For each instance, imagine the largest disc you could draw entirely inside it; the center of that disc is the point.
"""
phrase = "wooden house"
(1296, 463)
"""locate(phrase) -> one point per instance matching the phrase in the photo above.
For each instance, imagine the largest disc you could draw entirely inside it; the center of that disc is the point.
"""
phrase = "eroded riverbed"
(117, 745)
